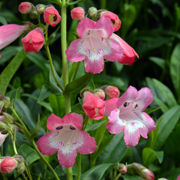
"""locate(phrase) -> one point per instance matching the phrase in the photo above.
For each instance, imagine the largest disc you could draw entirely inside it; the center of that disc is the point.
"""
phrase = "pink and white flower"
(94, 45)
(125, 113)
(10, 32)
(129, 53)
(66, 138)
(93, 106)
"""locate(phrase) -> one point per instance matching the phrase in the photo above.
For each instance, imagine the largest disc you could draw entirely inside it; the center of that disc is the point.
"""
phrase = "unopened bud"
(18, 158)
(85, 90)
(164, 179)
(8, 118)
(2, 96)
(26, 7)
(20, 168)
(100, 93)
(3, 126)
(8, 165)
(112, 92)
(122, 168)
(77, 13)
(7, 102)
(33, 14)
(40, 8)
(92, 11)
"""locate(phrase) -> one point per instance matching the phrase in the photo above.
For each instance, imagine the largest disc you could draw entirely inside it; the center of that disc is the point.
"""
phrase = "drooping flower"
(77, 13)
(128, 115)
(25, 7)
(51, 16)
(93, 106)
(129, 53)
(114, 19)
(67, 138)
(7, 165)
(94, 45)
(33, 41)
(10, 32)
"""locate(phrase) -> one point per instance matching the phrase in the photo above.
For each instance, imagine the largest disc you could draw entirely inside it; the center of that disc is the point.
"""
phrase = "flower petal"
(44, 144)
(84, 25)
(105, 25)
(94, 64)
(2, 138)
(111, 104)
(67, 159)
(53, 121)
(73, 52)
(89, 145)
(149, 122)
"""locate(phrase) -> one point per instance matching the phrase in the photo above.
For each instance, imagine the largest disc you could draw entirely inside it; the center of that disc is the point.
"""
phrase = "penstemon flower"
(67, 138)
(94, 45)
(128, 116)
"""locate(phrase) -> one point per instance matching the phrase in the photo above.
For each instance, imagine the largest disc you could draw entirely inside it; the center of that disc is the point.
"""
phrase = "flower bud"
(3, 126)
(112, 92)
(77, 13)
(82, 93)
(100, 93)
(122, 168)
(40, 8)
(164, 179)
(51, 16)
(2, 96)
(92, 11)
(2, 138)
(33, 14)
(25, 7)
(8, 118)
(8, 165)
(20, 168)
(114, 19)
(33, 41)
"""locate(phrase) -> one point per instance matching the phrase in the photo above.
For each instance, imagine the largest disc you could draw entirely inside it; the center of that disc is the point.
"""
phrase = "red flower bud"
(33, 41)
(8, 165)
(112, 92)
(25, 7)
(77, 13)
(51, 16)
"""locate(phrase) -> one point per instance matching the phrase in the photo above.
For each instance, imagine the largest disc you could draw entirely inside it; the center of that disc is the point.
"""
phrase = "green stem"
(42, 157)
(52, 67)
(79, 166)
(65, 66)
(23, 175)
(4, 177)
(118, 176)
(103, 4)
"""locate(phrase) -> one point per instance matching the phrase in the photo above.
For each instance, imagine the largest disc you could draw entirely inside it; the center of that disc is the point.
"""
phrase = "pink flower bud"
(112, 92)
(93, 106)
(51, 16)
(25, 7)
(148, 174)
(33, 41)
(10, 32)
(122, 168)
(92, 11)
(77, 13)
(114, 19)
(100, 93)
(8, 165)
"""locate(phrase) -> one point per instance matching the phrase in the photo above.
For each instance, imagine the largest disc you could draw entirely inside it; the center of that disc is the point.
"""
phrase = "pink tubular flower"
(25, 7)
(114, 19)
(94, 45)
(67, 138)
(51, 16)
(112, 92)
(128, 116)
(129, 53)
(178, 178)
(77, 13)
(10, 32)
(33, 41)
(93, 106)
(8, 165)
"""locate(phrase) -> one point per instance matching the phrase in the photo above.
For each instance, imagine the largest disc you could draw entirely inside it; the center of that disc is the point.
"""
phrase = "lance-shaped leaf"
(75, 2)
(10, 70)
(37, 128)
(78, 84)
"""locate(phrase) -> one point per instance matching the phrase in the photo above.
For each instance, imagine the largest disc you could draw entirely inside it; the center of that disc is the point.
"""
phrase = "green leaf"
(96, 173)
(163, 107)
(3, 20)
(151, 110)
(28, 153)
(165, 125)
(158, 61)
(52, 36)
(175, 69)
(45, 92)
(149, 156)
(130, 177)
(93, 127)
(173, 173)
(166, 92)
(75, 2)
(56, 2)
(78, 84)
(10, 70)
(37, 128)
